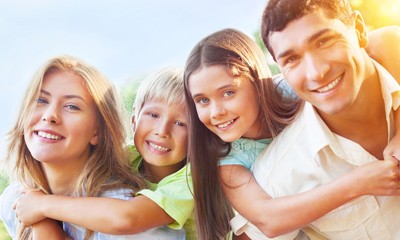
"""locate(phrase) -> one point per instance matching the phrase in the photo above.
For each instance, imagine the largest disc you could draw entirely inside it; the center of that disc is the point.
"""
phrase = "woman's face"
(63, 123)
(227, 105)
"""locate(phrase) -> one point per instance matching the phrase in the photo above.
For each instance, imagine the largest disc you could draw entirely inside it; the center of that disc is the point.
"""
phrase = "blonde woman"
(69, 140)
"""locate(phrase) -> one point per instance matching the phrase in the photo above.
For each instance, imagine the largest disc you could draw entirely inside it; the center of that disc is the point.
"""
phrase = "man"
(347, 119)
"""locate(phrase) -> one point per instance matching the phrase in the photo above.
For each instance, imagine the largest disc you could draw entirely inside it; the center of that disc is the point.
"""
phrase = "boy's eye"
(153, 115)
(228, 93)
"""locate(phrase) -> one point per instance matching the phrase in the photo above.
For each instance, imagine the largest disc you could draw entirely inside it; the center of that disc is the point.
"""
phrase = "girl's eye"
(41, 100)
(181, 124)
(202, 100)
(228, 93)
(72, 107)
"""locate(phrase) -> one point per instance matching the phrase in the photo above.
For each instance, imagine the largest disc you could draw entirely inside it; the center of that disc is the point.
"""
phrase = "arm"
(384, 47)
(376, 178)
(107, 215)
(392, 149)
(48, 229)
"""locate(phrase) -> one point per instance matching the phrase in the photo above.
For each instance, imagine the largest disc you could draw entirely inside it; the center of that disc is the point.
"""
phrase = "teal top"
(173, 194)
(245, 151)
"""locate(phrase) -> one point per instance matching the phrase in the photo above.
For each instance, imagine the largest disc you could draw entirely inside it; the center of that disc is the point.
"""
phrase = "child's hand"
(380, 178)
(393, 148)
(27, 207)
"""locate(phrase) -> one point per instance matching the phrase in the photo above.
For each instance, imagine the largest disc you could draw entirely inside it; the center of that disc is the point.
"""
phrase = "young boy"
(159, 155)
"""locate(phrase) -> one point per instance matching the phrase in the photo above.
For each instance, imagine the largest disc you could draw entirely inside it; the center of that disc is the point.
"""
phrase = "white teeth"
(48, 135)
(225, 124)
(330, 85)
(159, 148)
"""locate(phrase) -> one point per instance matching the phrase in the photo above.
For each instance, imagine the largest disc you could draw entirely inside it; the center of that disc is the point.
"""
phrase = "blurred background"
(124, 39)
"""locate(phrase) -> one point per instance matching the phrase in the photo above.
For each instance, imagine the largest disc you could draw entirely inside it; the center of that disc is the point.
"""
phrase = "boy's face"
(322, 59)
(161, 134)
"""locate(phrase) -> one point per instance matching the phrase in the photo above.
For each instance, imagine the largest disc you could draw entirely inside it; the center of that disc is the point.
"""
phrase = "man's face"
(322, 59)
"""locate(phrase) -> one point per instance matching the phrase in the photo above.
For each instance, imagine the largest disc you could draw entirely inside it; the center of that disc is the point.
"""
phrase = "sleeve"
(7, 214)
(236, 157)
(241, 225)
(174, 195)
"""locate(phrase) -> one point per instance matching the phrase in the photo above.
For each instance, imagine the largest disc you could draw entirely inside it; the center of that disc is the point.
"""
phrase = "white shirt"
(307, 155)
(76, 232)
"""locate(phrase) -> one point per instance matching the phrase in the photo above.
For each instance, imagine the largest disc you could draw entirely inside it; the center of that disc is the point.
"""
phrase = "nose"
(217, 109)
(316, 67)
(51, 115)
(162, 129)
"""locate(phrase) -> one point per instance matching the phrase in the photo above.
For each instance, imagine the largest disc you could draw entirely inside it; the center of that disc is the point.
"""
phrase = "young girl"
(159, 123)
(69, 140)
(235, 110)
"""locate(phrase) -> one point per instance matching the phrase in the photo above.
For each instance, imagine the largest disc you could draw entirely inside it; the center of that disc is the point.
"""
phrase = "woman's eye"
(72, 107)
(41, 100)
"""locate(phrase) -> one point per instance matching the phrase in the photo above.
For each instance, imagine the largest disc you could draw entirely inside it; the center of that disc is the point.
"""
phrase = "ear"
(361, 29)
(133, 121)
(95, 139)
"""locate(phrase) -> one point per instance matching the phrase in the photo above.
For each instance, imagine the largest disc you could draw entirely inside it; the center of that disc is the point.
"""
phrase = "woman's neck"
(62, 179)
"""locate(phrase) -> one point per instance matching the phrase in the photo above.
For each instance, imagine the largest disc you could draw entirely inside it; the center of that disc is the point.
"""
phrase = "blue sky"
(124, 39)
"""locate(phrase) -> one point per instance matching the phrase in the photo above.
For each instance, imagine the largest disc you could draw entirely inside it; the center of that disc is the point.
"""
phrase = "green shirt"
(173, 194)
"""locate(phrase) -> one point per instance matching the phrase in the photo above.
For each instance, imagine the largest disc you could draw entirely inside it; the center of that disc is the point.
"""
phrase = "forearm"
(285, 214)
(107, 215)
(48, 229)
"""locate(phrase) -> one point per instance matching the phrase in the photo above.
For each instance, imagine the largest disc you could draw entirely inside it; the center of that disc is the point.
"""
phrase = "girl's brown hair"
(244, 58)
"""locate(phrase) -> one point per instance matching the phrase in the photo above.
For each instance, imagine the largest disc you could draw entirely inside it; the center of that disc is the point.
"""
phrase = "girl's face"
(63, 124)
(225, 104)
(161, 134)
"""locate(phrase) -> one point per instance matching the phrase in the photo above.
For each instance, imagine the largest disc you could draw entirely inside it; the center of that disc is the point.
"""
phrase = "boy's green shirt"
(173, 194)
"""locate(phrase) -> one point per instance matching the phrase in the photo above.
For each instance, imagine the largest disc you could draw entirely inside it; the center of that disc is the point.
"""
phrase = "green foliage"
(273, 66)
(128, 92)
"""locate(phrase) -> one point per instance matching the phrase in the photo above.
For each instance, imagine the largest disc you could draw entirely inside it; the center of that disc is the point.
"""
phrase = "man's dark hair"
(279, 13)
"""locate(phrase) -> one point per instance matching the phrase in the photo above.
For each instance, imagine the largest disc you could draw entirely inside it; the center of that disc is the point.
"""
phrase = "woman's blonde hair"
(108, 165)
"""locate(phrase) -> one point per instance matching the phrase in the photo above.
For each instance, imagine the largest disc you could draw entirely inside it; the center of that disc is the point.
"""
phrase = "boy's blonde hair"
(165, 85)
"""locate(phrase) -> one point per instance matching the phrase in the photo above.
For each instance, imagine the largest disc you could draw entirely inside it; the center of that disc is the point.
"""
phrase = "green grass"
(3, 232)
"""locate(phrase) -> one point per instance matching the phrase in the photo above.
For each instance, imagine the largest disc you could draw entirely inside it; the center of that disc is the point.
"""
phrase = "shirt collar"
(321, 136)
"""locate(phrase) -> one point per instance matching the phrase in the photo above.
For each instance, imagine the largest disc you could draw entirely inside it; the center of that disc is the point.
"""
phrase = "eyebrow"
(310, 39)
(71, 96)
